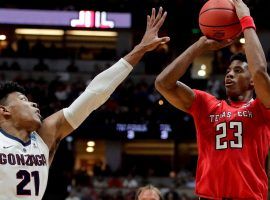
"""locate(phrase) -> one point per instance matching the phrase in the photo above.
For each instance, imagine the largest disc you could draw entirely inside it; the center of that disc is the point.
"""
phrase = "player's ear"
(251, 83)
(4, 110)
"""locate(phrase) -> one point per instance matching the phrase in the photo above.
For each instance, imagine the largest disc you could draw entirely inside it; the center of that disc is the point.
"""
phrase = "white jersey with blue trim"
(24, 167)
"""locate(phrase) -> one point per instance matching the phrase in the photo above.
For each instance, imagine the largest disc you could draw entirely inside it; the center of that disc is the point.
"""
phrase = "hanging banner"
(82, 19)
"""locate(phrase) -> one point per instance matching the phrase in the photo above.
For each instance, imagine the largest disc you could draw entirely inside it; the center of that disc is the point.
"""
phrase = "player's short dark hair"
(148, 187)
(8, 87)
(238, 56)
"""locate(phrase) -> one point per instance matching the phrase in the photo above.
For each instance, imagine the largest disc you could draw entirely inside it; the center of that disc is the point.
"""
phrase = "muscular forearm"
(255, 56)
(253, 48)
(254, 52)
(257, 66)
(135, 55)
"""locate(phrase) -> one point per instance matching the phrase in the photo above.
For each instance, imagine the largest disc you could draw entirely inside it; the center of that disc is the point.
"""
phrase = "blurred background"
(55, 48)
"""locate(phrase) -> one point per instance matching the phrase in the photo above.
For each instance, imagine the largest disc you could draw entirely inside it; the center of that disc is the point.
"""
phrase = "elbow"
(163, 84)
(99, 89)
(159, 84)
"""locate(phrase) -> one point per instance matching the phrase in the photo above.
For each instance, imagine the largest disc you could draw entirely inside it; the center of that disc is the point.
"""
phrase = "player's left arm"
(57, 126)
(62, 123)
(257, 64)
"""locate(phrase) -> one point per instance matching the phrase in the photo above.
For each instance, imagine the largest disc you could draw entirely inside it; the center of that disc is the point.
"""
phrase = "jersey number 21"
(26, 178)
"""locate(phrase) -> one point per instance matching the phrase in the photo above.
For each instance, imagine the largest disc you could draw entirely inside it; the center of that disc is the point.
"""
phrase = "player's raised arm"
(60, 124)
(257, 64)
(167, 83)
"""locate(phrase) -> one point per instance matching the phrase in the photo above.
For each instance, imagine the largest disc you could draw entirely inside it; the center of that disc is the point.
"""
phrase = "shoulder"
(36, 138)
(259, 106)
(202, 101)
(54, 128)
(204, 97)
(203, 94)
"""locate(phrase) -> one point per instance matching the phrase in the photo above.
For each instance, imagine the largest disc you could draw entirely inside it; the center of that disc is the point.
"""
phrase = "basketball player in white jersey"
(27, 144)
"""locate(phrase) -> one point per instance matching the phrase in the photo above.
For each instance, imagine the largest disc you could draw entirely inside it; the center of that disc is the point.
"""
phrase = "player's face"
(23, 113)
(148, 195)
(237, 79)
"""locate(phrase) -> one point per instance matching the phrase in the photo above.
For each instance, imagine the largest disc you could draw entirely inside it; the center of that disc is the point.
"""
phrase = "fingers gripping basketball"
(218, 20)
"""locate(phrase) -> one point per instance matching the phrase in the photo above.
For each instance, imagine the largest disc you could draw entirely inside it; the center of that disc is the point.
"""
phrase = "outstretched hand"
(150, 40)
(212, 45)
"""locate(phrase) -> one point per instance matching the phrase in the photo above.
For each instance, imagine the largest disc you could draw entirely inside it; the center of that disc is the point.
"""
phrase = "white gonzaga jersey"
(24, 167)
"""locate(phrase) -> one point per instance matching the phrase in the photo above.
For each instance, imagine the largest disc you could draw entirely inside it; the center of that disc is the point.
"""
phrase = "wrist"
(247, 22)
(200, 46)
(135, 55)
(140, 48)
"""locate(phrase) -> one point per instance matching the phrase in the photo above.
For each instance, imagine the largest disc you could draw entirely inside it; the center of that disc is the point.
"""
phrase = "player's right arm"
(167, 83)
(257, 64)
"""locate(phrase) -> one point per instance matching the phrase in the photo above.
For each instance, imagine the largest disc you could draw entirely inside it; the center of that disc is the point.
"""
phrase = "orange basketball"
(218, 20)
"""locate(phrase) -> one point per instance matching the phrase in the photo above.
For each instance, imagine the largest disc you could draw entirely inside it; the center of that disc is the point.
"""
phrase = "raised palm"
(150, 39)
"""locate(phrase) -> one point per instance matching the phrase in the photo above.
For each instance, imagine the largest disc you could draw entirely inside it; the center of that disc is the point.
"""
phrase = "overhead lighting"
(3, 37)
(201, 73)
(242, 40)
(91, 143)
(203, 67)
(90, 149)
(29, 31)
(58, 32)
(92, 33)
(160, 102)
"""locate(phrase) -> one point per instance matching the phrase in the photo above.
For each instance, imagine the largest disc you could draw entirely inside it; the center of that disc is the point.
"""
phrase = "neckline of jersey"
(238, 104)
(15, 138)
